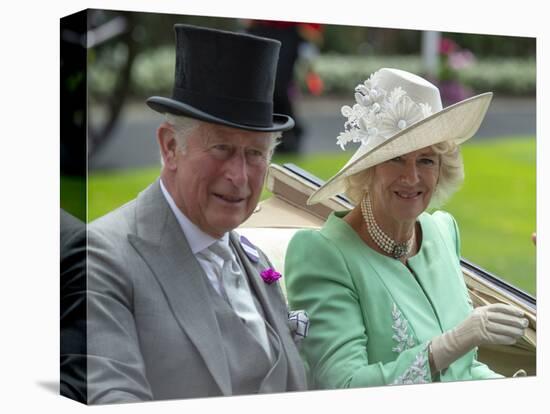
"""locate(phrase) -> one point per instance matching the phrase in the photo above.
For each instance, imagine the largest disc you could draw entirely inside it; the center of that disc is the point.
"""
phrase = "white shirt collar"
(198, 240)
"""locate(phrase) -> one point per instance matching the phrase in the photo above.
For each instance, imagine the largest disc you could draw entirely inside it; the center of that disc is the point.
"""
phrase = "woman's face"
(402, 187)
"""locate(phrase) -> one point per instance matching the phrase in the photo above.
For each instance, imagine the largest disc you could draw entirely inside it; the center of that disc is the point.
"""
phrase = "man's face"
(219, 176)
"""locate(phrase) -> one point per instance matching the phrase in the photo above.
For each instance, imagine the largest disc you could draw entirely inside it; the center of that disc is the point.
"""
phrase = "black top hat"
(226, 78)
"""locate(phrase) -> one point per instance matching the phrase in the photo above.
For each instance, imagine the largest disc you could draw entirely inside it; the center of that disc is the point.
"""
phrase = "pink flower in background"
(453, 59)
(447, 46)
(453, 91)
(461, 59)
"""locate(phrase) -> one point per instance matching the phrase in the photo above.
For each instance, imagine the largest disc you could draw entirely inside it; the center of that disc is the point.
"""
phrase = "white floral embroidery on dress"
(401, 333)
(378, 113)
(418, 372)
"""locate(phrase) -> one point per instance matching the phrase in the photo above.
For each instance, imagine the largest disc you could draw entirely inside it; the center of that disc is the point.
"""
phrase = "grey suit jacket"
(151, 331)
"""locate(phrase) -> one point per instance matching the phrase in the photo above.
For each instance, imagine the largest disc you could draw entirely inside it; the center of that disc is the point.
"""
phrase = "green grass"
(73, 196)
(108, 190)
(495, 208)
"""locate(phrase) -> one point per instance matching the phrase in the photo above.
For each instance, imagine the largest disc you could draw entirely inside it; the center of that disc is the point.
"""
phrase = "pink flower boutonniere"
(270, 275)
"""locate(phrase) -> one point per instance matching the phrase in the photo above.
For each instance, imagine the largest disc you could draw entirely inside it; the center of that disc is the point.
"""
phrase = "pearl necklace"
(382, 240)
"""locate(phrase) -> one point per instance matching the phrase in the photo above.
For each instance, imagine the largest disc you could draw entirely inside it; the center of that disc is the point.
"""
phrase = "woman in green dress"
(382, 283)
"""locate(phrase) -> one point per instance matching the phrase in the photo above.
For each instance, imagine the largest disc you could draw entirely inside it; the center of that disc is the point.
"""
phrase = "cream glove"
(496, 324)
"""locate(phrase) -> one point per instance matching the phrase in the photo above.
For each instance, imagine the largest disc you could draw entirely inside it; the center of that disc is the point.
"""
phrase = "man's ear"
(168, 144)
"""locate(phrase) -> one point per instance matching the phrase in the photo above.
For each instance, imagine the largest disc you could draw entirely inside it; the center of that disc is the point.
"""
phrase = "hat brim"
(163, 105)
(456, 123)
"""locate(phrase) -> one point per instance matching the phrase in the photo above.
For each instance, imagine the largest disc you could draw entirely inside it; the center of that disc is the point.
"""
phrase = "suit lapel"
(256, 282)
(268, 296)
(162, 245)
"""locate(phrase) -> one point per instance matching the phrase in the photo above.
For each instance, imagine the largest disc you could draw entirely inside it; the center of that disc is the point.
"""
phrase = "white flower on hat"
(378, 113)
(369, 94)
(400, 113)
(354, 126)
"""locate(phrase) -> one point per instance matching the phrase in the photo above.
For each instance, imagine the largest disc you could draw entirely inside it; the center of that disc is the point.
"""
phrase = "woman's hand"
(496, 324)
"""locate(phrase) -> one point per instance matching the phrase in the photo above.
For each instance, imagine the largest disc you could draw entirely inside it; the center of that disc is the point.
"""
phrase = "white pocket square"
(298, 322)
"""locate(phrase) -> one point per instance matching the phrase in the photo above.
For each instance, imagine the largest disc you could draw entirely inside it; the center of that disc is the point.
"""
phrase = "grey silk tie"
(239, 294)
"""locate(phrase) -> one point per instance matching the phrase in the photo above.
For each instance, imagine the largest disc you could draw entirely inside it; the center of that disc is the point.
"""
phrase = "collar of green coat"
(433, 279)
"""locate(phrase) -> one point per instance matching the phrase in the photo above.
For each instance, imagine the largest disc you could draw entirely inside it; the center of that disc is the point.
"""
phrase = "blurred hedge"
(509, 76)
(513, 76)
(340, 73)
(153, 71)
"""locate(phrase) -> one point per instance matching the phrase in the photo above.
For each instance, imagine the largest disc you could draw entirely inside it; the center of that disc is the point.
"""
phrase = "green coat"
(371, 319)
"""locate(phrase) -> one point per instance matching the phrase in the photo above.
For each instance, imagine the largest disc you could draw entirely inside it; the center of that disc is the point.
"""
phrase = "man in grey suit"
(179, 305)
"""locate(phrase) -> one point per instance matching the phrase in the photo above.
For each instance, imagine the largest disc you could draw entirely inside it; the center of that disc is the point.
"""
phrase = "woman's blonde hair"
(451, 176)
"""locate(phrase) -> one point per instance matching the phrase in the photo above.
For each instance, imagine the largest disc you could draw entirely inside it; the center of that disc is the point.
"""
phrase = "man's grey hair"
(184, 126)
(451, 176)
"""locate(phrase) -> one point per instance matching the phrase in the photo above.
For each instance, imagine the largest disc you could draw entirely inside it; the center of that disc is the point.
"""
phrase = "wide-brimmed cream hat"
(397, 112)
